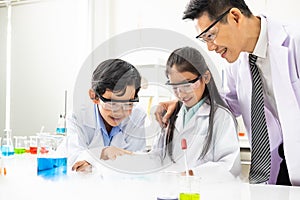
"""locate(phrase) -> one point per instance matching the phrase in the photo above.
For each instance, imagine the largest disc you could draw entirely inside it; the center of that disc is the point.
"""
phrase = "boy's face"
(113, 113)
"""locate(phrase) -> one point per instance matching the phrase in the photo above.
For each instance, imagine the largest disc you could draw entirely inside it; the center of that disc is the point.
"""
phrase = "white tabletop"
(22, 183)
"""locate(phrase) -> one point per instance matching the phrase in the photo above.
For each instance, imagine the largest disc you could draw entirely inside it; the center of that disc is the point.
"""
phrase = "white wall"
(49, 43)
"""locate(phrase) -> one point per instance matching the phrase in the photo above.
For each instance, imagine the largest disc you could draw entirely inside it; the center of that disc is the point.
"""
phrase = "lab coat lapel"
(119, 141)
(285, 96)
(89, 118)
(179, 121)
(97, 139)
(183, 131)
(192, 124)
(90, 121)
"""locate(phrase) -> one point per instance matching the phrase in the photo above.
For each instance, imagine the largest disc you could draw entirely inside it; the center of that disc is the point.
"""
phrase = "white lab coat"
(224, 150)
(284, 54)
(85, 141)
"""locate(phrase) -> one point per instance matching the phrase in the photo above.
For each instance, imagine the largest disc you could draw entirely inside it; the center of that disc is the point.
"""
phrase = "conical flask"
(7, 146)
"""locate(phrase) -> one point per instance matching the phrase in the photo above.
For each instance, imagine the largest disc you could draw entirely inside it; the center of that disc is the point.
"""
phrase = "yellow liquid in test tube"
(189, 196)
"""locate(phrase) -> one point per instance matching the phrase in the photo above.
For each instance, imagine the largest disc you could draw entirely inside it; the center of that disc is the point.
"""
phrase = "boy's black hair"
(115, 75)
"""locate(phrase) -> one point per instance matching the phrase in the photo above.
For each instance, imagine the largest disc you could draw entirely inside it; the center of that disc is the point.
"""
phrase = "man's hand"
(82, 166)
(111, 153)
(164, 111)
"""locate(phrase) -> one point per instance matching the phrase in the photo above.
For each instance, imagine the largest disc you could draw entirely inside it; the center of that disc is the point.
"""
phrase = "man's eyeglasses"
(210, 33)
(185, 87)
(115, 104)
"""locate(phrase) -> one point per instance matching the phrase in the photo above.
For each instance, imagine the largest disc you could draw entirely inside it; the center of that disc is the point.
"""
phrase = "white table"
(22, 183)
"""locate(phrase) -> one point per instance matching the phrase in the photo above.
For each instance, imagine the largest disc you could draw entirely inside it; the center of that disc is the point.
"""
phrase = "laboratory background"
(46, 44)
(49, 41)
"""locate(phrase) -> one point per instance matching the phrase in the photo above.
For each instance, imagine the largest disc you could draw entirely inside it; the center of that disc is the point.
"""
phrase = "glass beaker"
(20, 144)
(7, 146)
(27, 145)
(33, 144)
(167, 185)
(51, 164)
(190, 188)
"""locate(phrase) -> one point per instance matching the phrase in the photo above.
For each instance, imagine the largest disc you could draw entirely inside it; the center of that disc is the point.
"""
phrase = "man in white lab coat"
(230, 29)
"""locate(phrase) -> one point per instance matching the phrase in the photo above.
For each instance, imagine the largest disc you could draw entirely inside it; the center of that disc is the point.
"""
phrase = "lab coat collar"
(261, 46)
(89, 114)
(202, 111)
(275, 31)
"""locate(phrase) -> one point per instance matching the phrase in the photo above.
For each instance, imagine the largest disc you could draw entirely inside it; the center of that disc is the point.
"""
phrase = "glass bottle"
(61, 126)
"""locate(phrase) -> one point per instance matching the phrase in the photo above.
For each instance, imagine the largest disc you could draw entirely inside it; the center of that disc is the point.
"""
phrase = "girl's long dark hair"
(170, 130)
(190, 59)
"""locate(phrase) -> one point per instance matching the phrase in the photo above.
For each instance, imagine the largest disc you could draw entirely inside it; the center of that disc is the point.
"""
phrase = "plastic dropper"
(187, 174)
(184, 147)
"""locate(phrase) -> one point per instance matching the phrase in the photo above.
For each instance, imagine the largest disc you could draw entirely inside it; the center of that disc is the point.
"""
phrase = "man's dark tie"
(260, 154)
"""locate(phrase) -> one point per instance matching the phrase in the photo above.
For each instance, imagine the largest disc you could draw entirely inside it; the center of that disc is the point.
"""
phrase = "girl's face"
(187, 87)
(113, 113)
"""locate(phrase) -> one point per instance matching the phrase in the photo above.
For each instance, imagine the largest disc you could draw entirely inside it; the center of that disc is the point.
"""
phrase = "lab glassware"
(61, 126)
(189, 196)
(27, 145)
(167, 185)
(51, 163)
(33, 144)
(20, 144)
(189, 188)
(7, 147)
(187, 193)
